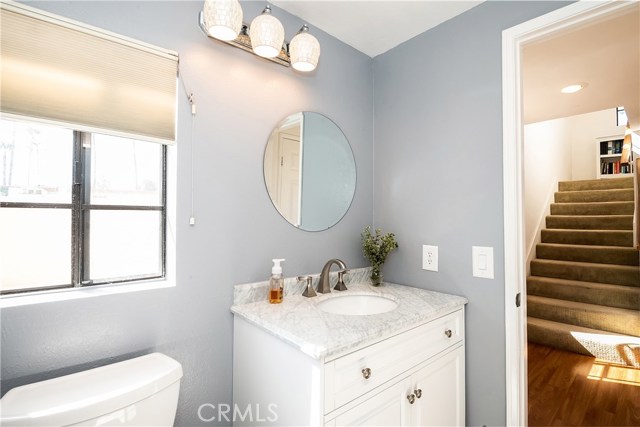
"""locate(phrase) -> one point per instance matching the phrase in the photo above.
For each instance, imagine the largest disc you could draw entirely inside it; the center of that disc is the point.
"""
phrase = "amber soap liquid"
(275, 296)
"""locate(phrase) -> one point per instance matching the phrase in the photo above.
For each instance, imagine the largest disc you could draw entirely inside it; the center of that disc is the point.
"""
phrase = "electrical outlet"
(429, 258)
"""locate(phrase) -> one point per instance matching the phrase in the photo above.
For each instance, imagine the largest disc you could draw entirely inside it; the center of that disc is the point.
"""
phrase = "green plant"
(375, 248)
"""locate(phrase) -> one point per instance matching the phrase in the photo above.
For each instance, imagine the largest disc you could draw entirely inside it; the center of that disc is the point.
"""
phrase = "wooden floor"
(568, 389)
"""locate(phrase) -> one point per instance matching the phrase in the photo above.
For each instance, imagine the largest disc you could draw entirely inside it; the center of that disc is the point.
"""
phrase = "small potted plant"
(375, 248)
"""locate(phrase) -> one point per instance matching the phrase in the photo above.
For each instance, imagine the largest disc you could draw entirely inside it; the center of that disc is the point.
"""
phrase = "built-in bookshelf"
(608, 154)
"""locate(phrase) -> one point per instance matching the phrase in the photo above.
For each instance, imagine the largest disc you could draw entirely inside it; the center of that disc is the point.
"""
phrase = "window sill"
(17, 300)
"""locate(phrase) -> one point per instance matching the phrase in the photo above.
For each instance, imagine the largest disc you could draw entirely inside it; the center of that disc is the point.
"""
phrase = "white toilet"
(137, 392)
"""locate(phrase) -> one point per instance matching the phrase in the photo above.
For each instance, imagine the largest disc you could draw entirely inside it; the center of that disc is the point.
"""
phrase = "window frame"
(618, 111)
(81, 208)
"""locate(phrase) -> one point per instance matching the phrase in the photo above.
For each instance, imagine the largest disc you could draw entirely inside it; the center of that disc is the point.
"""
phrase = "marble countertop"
(299, 322)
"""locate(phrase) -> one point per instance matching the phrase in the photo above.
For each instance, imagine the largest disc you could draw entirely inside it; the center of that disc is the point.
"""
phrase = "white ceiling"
(603, 54)
(374, 27)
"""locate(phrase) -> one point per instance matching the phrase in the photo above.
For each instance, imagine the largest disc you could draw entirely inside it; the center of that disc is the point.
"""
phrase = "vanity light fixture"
(222, 18)
(264, 37)
(304, 50)
(573, 88)
(267, 34)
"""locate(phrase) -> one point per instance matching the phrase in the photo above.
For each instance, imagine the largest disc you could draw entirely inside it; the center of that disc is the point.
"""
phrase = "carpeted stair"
(583, 294)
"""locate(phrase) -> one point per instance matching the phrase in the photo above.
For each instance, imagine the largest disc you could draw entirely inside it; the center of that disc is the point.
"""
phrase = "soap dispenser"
(276, 284)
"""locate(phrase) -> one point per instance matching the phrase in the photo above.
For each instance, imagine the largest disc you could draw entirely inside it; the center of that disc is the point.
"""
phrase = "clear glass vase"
(376, 275)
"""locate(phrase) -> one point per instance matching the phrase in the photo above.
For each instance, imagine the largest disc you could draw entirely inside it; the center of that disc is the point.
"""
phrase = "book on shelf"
(611, 147)
(617, 146)
(613, 168)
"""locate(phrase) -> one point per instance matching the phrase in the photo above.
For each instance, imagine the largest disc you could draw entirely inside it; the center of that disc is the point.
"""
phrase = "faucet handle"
(340, 286)
(308, 291)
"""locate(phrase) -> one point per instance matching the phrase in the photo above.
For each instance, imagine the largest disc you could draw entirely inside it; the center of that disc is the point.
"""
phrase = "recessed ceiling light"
(573, 88)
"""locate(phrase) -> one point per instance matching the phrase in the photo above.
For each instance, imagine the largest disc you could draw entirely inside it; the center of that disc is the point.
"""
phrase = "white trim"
(67, 294)
(542, 220)
(514, 239)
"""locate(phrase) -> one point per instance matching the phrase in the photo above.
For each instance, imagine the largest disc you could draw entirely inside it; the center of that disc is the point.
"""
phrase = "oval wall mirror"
(309, 171)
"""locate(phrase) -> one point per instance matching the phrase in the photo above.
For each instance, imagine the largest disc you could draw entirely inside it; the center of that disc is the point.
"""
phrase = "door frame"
(513, 39)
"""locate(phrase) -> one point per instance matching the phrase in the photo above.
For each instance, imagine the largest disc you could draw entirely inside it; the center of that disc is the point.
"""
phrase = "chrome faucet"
(324, 287)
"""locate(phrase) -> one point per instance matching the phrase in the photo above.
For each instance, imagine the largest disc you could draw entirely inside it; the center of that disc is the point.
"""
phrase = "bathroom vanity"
(295, 364)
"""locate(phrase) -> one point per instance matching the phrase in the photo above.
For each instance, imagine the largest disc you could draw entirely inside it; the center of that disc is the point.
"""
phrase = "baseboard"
(531, 251)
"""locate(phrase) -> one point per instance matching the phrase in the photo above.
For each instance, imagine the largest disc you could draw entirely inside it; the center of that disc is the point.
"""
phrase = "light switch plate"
(429, 258)
(482, 257)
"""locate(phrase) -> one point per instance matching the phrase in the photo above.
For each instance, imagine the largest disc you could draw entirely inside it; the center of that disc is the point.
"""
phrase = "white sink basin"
(357, 305)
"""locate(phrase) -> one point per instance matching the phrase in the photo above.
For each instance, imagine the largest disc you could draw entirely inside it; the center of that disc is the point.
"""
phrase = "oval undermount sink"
(357, 305)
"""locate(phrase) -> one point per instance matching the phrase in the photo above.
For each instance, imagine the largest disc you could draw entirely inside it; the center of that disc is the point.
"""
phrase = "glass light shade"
(305, 51)
(223, 18)
(267, 35)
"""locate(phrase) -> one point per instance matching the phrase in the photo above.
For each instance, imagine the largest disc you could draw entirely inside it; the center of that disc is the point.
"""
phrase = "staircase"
(583, 294)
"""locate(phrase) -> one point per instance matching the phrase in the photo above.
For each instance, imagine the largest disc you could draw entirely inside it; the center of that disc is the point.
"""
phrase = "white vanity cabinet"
(415, 377)
(431, 396)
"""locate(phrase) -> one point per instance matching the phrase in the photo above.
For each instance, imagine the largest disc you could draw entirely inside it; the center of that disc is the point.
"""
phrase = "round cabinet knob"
(411, 398)
(418, 393)
(448, 333)
(366, 373)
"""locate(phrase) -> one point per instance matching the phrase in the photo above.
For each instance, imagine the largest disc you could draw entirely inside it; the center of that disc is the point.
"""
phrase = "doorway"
(514, 39)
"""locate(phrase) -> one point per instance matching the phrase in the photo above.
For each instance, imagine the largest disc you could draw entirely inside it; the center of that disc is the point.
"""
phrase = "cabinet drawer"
(345, 377)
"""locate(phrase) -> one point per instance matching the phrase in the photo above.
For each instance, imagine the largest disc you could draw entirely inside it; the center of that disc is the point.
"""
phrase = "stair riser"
(627, 324)
(594, 196)
(597, 184)
(618, 256)
(601, 222)
(607, 238)
(611, 208)
(620, 297)
(564, 340)
(589, 273)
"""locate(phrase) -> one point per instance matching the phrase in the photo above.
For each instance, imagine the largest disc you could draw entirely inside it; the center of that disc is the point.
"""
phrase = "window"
(79, 208)
(621, 116)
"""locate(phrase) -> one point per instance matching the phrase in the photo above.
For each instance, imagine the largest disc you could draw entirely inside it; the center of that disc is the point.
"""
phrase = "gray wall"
(239, 98)
(438, 175)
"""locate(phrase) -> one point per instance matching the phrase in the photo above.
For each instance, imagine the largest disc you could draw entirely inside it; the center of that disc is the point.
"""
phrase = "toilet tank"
(136, 392)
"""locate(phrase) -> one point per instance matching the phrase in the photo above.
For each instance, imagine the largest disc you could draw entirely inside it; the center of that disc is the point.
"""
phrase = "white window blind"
(63, 71)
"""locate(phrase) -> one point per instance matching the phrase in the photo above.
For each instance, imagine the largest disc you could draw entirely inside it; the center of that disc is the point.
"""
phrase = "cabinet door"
(387, 408)
(440, 386)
